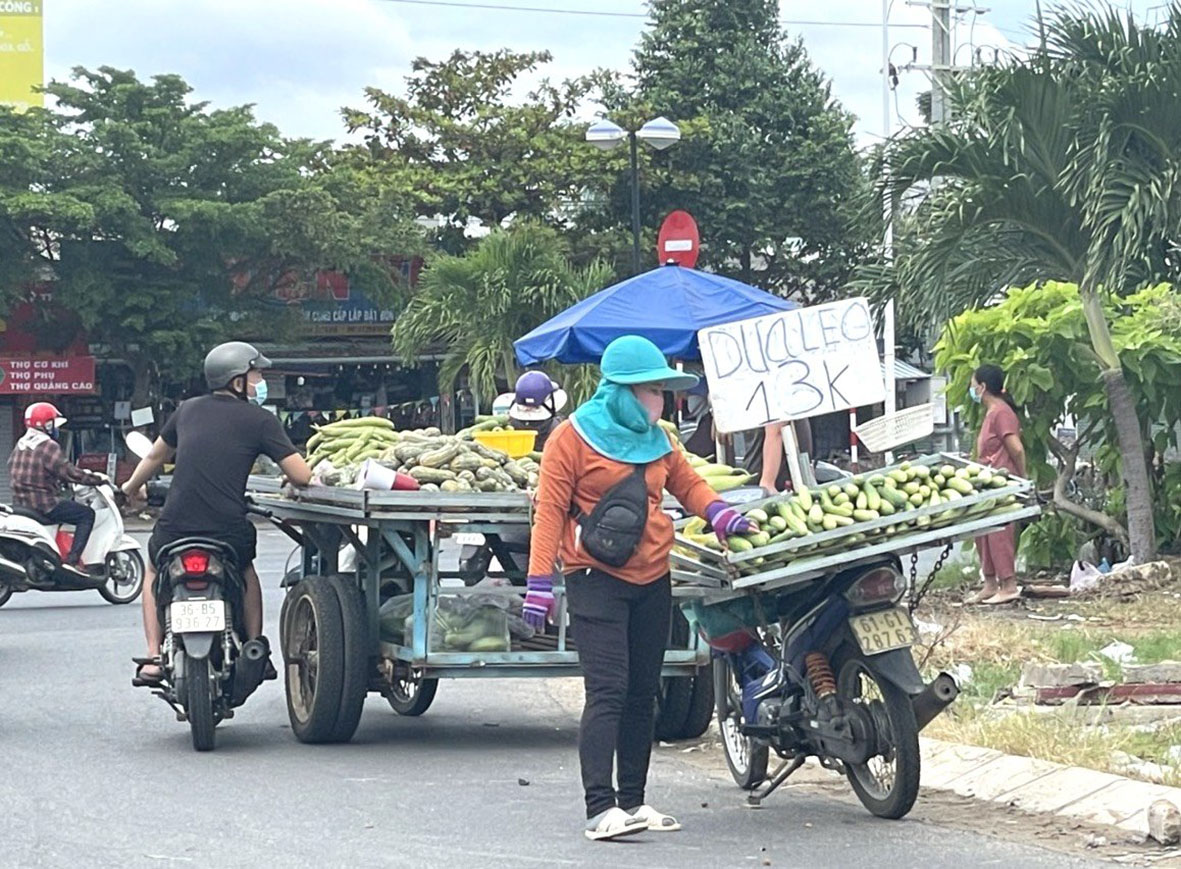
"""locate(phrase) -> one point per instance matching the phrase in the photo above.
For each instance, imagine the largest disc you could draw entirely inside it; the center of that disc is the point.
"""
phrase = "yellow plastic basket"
(516, 443)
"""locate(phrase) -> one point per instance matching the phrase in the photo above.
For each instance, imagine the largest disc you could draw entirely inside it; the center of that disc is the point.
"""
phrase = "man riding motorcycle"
(216, 439)
(38, 469)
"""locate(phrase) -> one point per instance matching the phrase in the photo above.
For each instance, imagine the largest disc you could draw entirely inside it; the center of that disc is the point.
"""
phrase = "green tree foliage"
(473, 307)
(1039, 336)
(466, 149)
(1061, 165)
(766, 163)
(164, 223)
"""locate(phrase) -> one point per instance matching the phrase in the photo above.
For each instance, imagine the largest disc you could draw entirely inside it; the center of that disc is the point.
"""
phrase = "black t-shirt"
(217, 439)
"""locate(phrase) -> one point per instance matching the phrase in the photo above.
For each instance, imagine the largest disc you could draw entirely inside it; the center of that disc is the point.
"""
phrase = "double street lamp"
(660, 133)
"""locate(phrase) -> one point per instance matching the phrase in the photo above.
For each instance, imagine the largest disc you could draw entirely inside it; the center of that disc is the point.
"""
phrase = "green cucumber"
(866, 515)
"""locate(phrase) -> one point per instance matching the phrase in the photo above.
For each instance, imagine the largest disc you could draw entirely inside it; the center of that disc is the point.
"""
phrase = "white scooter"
(31, 552)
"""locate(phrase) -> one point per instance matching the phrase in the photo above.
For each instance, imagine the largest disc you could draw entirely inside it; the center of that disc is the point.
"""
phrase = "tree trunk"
(1141, 528)
(1069, 458)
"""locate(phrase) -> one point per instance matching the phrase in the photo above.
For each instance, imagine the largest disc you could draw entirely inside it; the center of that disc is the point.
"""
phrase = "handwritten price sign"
(792, 365)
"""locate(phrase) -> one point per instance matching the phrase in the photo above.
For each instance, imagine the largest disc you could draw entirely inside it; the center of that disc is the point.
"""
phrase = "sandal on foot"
(613, 824)
(141, 678)
(1001, 598)
(657, 822)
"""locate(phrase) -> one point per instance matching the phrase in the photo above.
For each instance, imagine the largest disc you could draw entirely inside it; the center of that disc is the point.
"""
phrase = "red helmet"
(43, 415)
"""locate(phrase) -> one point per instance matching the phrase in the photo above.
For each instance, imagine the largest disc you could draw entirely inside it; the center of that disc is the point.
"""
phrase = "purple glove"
(727, 521)
(539, 601)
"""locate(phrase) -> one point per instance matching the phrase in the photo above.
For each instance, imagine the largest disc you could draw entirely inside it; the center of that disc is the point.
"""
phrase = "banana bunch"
(721, 478)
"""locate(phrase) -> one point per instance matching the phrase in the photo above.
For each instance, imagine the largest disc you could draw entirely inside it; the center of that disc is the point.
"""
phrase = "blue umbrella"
(667, 305)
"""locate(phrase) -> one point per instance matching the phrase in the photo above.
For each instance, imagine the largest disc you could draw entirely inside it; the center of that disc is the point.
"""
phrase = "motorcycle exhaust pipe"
(249, 670)
(936, 697)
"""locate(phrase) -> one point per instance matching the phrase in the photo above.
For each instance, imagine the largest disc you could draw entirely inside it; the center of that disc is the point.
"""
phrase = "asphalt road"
(96, 773)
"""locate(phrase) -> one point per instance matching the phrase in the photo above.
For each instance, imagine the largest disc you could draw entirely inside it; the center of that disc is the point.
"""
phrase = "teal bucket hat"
(631, 359)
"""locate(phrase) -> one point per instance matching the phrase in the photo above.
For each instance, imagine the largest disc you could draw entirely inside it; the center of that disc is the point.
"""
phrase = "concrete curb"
(1040, 787)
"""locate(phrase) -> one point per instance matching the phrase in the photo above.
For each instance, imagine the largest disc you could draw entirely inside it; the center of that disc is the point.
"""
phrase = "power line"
(498, 7)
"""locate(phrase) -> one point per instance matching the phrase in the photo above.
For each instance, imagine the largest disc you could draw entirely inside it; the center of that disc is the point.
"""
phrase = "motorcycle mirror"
(138, 442)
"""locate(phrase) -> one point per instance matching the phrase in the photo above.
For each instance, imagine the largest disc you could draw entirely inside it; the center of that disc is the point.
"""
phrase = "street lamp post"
(660, 133)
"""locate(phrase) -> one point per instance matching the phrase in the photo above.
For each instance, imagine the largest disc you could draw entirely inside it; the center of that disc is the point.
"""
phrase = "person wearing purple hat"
(535, 403)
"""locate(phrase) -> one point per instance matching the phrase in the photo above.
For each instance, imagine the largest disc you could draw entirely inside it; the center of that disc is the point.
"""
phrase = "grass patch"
(1059, 740)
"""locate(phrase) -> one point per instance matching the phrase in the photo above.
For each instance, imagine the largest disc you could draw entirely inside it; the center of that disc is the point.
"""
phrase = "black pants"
(81, 517)
(621, 630)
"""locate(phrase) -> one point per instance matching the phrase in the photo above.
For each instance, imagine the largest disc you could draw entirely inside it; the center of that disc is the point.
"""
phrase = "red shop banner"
(71, 375)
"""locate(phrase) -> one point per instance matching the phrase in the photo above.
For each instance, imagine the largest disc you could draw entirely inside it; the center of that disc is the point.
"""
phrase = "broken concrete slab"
(1165, 671)
(1061, 675)
(1007, 772)
(1117, 802)
(1054, 792)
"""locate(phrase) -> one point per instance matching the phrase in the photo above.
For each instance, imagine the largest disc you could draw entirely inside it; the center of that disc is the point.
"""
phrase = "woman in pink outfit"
(998, 446)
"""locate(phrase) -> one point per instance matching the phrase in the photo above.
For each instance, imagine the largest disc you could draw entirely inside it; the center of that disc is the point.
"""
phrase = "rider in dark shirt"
(216, 439)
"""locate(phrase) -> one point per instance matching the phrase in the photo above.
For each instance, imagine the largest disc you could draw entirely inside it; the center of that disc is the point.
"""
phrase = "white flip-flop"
(614, 824)
(657, 822)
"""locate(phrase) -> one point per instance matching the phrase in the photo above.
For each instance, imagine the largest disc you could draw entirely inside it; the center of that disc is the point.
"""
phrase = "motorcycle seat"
(29, 513)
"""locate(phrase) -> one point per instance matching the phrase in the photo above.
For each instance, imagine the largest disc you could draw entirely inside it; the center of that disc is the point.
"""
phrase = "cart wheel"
(411, 693)
(685, 703)
(314, 651)
(356, 657)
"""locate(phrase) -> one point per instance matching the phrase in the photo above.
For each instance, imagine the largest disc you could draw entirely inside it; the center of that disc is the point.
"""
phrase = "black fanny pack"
(612, 530)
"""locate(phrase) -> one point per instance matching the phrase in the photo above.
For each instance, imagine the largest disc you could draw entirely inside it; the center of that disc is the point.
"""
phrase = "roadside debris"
(1164, 822)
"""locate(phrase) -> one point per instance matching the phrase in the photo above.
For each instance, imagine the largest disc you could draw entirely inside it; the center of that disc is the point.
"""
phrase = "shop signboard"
(47, 376)
(333, 306)
(22, 54)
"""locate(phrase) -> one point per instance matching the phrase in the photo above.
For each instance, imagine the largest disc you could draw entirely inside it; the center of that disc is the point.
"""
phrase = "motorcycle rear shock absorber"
(820, 675)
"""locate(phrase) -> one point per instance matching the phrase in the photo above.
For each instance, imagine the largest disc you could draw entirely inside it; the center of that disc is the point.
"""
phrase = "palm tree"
(473, 307)
(1064, 165)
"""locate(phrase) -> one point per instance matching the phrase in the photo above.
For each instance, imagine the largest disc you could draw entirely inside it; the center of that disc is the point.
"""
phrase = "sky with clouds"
(299, 61)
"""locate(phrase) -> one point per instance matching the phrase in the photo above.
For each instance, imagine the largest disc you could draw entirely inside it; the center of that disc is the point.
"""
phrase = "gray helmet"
(232, 359)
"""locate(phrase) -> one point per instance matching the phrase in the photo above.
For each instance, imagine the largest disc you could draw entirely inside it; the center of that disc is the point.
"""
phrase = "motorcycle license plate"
(197, 616)
(469, 539)
(884, 630)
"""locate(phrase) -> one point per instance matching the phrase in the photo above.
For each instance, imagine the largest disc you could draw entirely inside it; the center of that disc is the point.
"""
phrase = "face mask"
(977, 397)
(260, 393)
(653, 403)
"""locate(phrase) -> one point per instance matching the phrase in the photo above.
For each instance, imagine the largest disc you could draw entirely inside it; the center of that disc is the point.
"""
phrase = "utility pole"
(941, 60)
(942, 65)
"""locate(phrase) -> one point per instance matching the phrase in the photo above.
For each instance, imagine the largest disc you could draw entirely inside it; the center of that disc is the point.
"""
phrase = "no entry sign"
(72, 375)
(678, 241)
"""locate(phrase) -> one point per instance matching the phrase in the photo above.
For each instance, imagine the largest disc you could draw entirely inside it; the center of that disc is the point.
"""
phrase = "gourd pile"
(889, 495)
(438, 462)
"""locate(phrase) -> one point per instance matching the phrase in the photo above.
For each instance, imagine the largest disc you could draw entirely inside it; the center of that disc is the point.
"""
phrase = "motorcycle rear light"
(195, 561)
(883, 585)
(196, 584)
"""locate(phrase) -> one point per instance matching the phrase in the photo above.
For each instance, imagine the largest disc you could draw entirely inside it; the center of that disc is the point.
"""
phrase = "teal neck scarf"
(616, 425)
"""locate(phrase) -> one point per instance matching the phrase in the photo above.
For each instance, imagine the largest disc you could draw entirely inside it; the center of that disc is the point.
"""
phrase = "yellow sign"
(22, 53)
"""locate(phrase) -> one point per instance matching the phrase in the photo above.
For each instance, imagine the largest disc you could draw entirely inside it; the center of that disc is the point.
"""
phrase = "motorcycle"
(32, 551)
(824, 670)
(209, 669)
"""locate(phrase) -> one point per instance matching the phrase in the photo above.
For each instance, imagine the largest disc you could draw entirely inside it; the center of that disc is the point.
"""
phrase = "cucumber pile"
(894, 494)
(439, 462)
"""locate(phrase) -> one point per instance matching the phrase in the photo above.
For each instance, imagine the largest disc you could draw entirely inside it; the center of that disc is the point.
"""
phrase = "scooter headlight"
(880, 585)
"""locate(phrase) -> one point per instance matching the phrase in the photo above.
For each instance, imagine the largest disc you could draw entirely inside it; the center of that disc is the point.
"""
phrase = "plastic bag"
(1084, 576)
